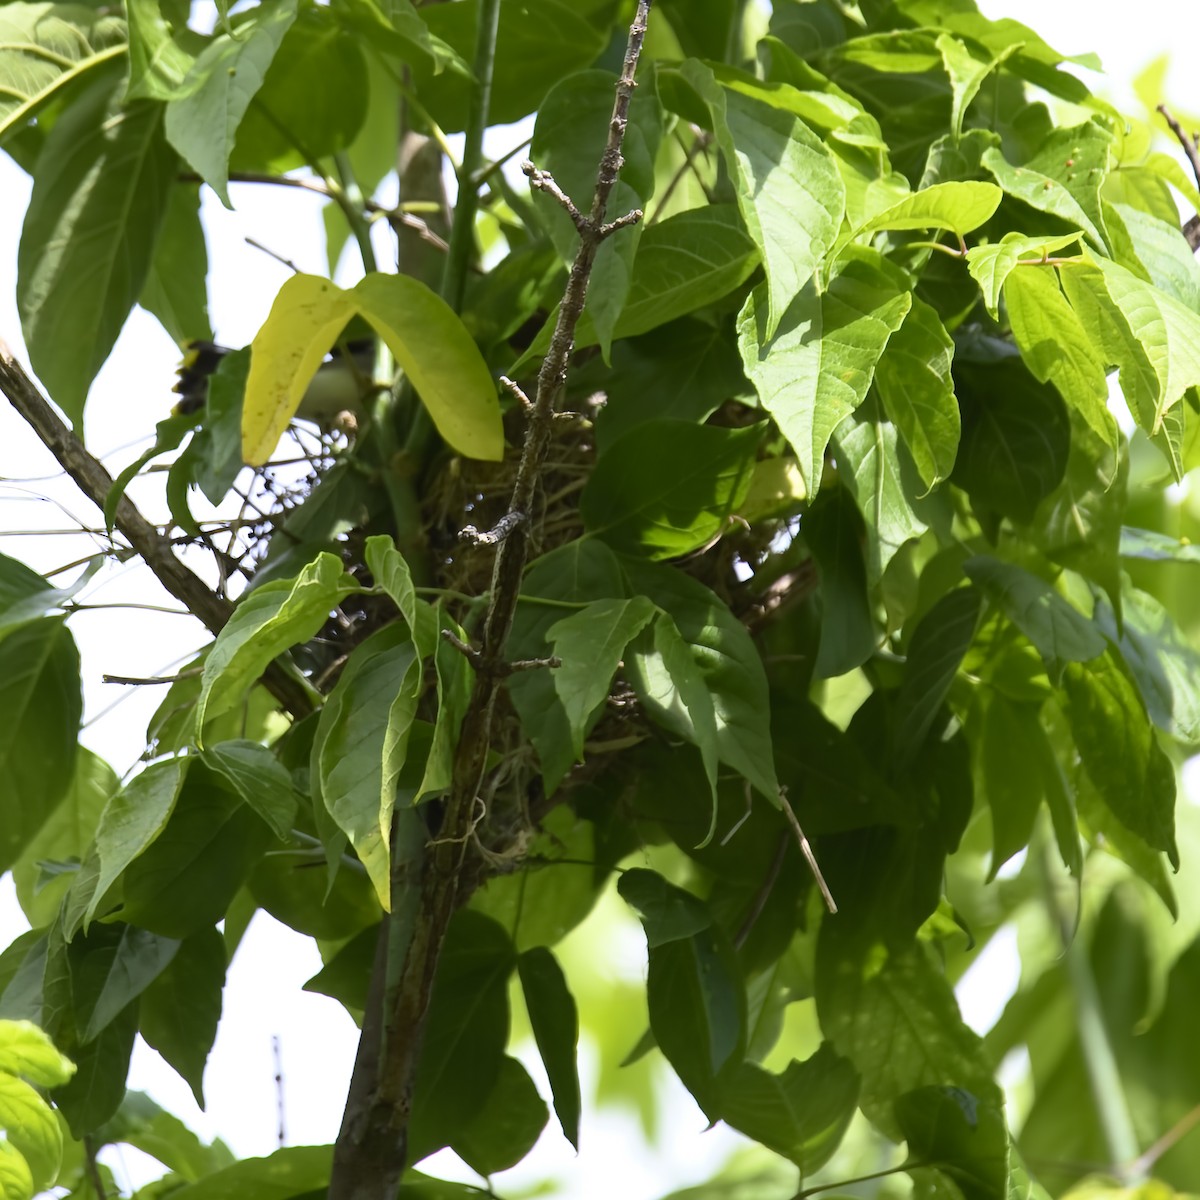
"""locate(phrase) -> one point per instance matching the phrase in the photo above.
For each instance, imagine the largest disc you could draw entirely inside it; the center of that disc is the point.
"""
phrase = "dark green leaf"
(1015, 437)
(667, 913)
(99, 197)
(462, 1051)
(934, 654)
(95, 1091)
(40, 707)
(555, 1023)
(833, 531)
(186, 878)
(668, 487)
(181, 1007)
(802, 1113)
(573, 575)
(728, 664)
(505, 1129)
(1120, 751)
(287, 885)
(962, 1136)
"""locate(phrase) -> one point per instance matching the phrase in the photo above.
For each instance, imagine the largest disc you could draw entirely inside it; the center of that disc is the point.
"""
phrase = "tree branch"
(152, 546)
(372, 1146)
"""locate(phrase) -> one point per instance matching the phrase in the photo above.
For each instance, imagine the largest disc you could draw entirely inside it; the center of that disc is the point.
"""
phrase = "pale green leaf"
(991, 263)
(1055, 347)
(914, 382)
(789, 190)
(967, 74)
(158, 63)
(268, 621)
(44, 49)
(1061, 633)
(16, 1182)
(29, 1125)
(27, 1050)
(958, 206)
(816, 369)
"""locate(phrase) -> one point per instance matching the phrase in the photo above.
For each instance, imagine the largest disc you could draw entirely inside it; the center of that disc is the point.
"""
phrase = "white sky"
(132, 392)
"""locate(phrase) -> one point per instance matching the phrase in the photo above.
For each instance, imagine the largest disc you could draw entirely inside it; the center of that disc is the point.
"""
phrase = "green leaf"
(833, 531)
(537, 44)
(427, 338)
(462, 1051)
(26, 1050)
(97, 1088)
(1013, 784)
(141, 1123)
(962, 1136)
(290, 1172)
(991, 264)
(268, 621)
(158, 62)
(590, 644)
(685, 370)
(1169, 336)
(1063, 178)
(124, 962)
(1015, 437)
(892, 1013)
(667, 913)
(696, 998)
(877, 474)
(1120, 751)
(176, 290)
(957, 206)
(802, 1113)
(669, 487)
(728, 664)
(258, 777)
(568, 578)
(555, 1023)
(1163, 662)
(568, 141)
(684, 263)
(99, 198)
(132, 819)
(44, 49)
(1152, 546)
(789, 191)
(914, 382)
(29, 1126)
(180, 1009)
(188, 875)
(290, 123)
(202, 120)
(40, 707)
(361, 745)
(1061, 633)
(505, 1129)
(816, 368)
(967, 74)
(1055, 347)
(394, 29)
(455, 678)
(935, 652)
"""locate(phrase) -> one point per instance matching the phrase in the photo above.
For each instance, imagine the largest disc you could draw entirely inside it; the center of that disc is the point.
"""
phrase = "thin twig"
(762, 895)
(1144, 1163)
(1191, 229)
(154, 549)
(806, 850)
(92, 1168)
(276, 1050)
(145, 680)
